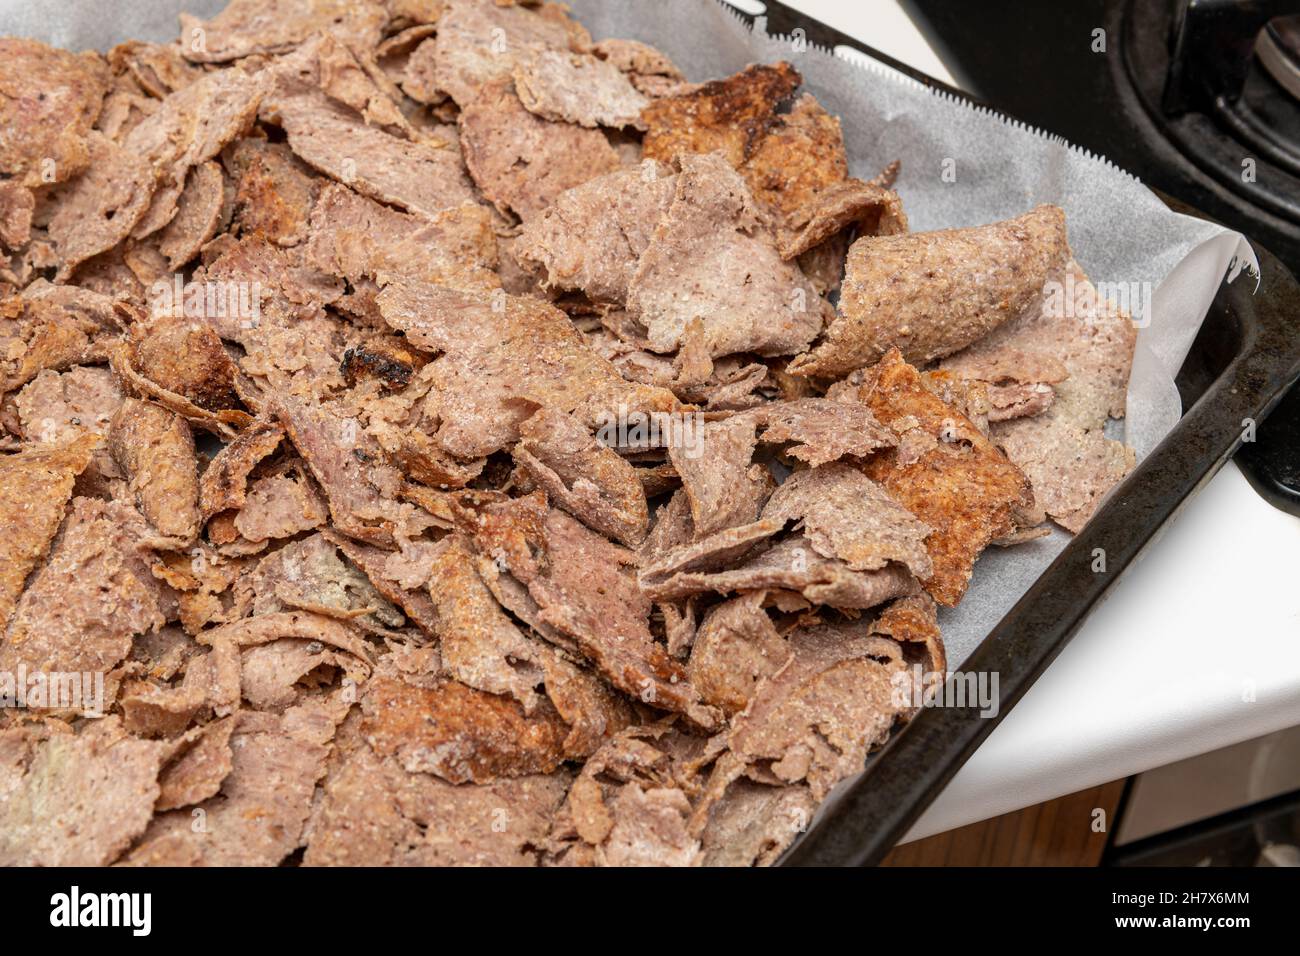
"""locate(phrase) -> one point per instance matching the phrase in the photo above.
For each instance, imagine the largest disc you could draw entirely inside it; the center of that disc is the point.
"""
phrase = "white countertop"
(1197, 647)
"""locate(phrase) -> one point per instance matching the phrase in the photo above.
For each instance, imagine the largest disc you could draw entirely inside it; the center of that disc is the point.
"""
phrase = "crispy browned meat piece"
(386, 360)
(417, 819)
(479, 43)
(1081, 349)
(481, 647)
(794, 162)
(37, 334)
(49, 100)
(914, 620)
(460, 734)
(944, 471)
(584, 477)
(93, 594)
(35, 486)
(198, 215)
(930, 294)
(190, 127)
(521, 161)
(591, 238)
(155, 450)
(246, 27)
(800, 172)
(187, 358)
(224, 484)
(577, 88)
(274, 191)
(800, 156)
(76, 799)
(712, 259)
(732, 115)
(593, 709)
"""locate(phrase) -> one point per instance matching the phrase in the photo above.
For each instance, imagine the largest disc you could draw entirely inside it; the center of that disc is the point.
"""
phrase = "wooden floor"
(1057, 833)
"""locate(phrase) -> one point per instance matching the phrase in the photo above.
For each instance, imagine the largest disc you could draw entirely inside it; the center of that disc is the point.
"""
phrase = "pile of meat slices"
(435, 429)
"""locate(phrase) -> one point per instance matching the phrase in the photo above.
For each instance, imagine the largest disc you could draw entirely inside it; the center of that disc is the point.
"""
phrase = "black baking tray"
(1245, 356)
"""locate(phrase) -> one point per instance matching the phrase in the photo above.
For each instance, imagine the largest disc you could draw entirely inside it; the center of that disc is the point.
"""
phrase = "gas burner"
(1278, 49)
(1184, 94)
(1224, 90)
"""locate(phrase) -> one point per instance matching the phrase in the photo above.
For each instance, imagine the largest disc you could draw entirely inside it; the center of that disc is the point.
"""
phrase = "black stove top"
(1183, 94)
(1168, 89)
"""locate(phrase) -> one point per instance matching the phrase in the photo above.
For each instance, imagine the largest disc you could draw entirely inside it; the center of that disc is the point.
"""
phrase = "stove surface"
(1132, 80)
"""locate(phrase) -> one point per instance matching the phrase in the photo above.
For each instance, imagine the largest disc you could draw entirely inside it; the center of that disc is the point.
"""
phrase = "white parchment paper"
(1119, 231)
